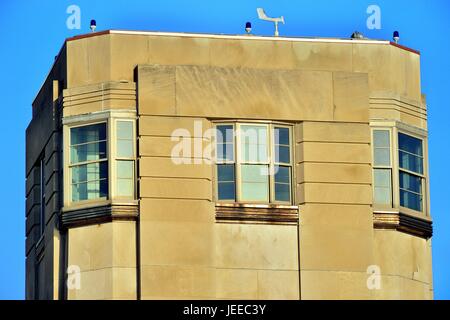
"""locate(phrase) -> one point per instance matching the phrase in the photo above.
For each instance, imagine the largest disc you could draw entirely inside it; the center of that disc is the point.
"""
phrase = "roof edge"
(242, 37)
(222, 36)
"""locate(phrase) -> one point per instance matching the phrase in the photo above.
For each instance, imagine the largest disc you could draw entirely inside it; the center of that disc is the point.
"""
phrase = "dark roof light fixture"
(93, 25)
(396, 36)
(248, 27)
(357, 35)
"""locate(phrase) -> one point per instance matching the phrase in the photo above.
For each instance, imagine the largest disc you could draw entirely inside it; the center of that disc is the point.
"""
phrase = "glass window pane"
(89, 172)
(382, 196)
(226, 182)
(125, 169)
(410, 200)
(224, 134)
(382, 157)
(225, 152)
(410, 144)
(410, 162)
(282, 154)
(254, 153)
(89, 181)
(255, 192)
(410, 182)
(254, 143)
(382, 178)
(282, 192)
(282, 174)
(281, 136)
(89, 190)
(88, 152)
(226, 190)
(255, 183)
(125, 188)
(125, 130)
(254, 173)
(224, 143)
(382, 186)
(89, 133)
(410, 191)
(225, 172)
(79, 192)
(125, 148)
(381, 139)
(282, 184)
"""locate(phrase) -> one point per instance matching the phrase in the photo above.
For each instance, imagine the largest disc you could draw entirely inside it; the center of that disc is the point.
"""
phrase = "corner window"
(411, 173)
(399, 173)
(100, 159)
(254, 163)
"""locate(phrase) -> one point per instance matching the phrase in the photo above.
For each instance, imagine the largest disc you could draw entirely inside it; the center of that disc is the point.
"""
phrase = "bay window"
(399, 173)
(99, 158)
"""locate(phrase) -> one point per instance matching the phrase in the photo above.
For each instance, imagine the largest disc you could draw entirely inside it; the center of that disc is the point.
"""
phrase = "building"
(125, 198)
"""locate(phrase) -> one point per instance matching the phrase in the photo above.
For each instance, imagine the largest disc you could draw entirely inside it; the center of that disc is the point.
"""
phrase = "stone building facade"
(328, 199)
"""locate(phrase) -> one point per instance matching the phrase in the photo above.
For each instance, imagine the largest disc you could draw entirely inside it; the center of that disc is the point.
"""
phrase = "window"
(100, 158)
(382, 168)
(399, 167)
(88, 162)
(226, 177)
(253, 163)
(283, 168)
(411, 172)
(125, 159)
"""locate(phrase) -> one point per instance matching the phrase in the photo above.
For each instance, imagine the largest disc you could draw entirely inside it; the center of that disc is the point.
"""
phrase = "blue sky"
(33, 31)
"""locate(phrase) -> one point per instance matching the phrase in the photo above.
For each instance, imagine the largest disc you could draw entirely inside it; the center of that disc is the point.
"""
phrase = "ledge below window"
(257, 213)
(411, 224)
(98, 214)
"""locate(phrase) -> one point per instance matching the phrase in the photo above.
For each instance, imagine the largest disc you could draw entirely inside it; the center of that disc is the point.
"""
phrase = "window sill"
(405, 221)
(98, 212)
(257, 213)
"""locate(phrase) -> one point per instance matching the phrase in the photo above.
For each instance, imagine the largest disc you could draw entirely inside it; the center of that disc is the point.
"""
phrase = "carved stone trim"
(256, 214)
(403, 222)
(100, 214)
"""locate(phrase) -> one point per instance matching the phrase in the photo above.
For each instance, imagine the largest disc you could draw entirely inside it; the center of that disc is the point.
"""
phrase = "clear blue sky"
(33, 31)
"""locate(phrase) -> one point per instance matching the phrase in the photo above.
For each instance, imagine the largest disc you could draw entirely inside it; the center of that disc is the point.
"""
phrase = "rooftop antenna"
(93, 25)
(262, 15)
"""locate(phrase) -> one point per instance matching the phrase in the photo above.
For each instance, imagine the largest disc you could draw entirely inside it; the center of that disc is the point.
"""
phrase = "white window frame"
(116, 158)
(423, 176)
(389, 167)
(395, 128)
(238, 162)
(110, 118)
